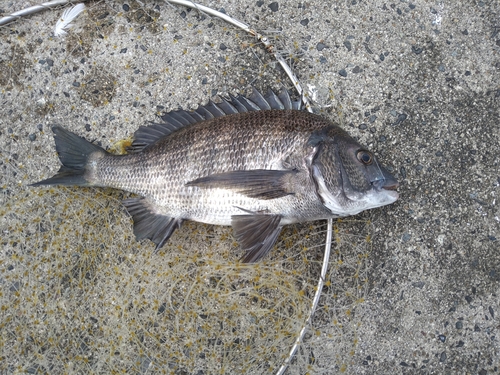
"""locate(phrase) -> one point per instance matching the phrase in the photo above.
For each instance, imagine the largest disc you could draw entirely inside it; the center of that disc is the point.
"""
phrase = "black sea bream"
(255, 163)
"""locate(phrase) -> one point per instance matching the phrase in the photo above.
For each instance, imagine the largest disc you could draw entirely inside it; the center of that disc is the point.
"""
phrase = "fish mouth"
(392, 187)
(386, 184)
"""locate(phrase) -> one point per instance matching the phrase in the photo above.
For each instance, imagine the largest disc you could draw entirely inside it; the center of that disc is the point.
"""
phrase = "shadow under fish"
(255, 163)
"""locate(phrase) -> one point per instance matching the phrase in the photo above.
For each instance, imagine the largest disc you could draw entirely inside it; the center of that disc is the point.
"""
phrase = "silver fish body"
(256, 164)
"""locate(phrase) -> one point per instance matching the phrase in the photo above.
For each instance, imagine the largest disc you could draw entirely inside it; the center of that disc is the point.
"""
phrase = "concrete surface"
(414, 287)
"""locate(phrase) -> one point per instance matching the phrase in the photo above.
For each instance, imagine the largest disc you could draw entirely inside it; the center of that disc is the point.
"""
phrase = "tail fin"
(74, 153)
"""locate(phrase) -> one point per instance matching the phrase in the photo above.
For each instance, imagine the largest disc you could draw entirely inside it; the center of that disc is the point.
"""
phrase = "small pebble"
(40, 127)
(442, 338)
(459, 325)
(321, 46)
(304, 22)
(123, 50)
(222, 46)
(442, 357)
(87, 127)
(362, 127)
(343, 72)
(402, 170)
(400, 119)
(348, 45)
(76, 84)
(32, 137)
(274, 6)
(125, 7)
(418, 284)
(381, 57)
(416, 50)
(406, 237)
(103, 16)
(357, 69)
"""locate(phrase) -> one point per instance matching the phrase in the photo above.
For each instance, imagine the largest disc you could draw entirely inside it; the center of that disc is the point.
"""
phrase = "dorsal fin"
(175, 120)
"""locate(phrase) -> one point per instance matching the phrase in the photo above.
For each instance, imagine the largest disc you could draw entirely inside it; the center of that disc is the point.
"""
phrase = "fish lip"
(386, 184)
(391, 187)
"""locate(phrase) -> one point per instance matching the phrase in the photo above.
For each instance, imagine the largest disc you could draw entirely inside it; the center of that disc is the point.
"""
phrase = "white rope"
(34, 9)
(317, 295)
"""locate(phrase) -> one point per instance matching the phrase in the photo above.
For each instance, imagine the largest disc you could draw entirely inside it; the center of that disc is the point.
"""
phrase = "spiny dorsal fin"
(175, 120)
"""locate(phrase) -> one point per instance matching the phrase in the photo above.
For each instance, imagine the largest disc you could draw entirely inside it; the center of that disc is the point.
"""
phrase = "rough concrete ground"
(416, 81)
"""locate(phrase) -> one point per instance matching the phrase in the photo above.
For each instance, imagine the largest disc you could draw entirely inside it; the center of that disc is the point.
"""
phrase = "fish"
(255, 162)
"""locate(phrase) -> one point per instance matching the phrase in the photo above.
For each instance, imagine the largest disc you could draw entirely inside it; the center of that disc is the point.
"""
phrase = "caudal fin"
(74, 153)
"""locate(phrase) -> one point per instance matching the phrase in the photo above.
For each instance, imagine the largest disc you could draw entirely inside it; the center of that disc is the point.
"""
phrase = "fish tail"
(74, 153)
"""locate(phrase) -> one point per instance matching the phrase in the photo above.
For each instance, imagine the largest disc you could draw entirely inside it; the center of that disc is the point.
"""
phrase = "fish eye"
(364, 157)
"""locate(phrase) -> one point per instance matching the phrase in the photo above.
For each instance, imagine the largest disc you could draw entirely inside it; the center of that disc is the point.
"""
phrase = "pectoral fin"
(258, 183)
(149, 224)
(256, 234)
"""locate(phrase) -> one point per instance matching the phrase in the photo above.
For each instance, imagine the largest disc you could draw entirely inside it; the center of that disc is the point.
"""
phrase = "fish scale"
(239, 164)
(161, 171)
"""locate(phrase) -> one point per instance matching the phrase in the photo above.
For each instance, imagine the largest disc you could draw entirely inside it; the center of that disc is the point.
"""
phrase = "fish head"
(348, 177)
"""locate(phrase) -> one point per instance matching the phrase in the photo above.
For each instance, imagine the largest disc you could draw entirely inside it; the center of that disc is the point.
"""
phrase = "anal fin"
(256, 234)
(149, 224)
